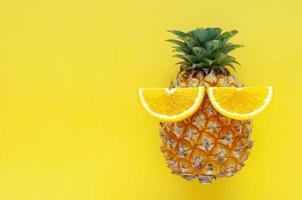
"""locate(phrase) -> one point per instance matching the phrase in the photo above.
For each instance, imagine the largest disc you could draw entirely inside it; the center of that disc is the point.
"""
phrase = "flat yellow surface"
(71, 127)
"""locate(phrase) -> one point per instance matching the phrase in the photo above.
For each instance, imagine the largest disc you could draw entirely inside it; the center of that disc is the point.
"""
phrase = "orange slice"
(240, 103)
(171, 105)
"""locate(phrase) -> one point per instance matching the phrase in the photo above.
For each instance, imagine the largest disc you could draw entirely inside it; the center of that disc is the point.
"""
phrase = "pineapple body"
(207, 145)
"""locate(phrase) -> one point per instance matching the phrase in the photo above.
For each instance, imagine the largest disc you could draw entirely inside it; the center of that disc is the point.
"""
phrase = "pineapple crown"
(205, 49)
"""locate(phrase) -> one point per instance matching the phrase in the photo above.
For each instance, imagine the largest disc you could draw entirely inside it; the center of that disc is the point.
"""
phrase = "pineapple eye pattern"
(206, 152)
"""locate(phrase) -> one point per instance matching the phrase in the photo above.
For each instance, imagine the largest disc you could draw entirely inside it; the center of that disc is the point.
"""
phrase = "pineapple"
(207, 145)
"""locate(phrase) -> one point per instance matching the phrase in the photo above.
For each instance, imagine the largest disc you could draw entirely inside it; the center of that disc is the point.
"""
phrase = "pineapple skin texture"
(207, 145)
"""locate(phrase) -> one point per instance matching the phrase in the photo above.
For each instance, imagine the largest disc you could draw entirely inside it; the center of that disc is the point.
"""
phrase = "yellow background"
(71, 127)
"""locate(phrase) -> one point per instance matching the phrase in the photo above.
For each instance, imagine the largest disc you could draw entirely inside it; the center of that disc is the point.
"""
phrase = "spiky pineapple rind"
(207, 145)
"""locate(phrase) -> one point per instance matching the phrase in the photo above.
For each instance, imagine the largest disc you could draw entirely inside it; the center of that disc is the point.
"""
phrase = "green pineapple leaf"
(230, 47)
(188, 58)
(191, 42)
(220, 58)
(202, 35)
(181, 63)
(183, 49)
(176, 42)
(213, 45)
(179, 34)
(200, 52)
(227, 35)
(232, 66)
(207, 62)
(228, 60)
(195, 33)
(198, 66)
(235, 61)
(205, 48)
(213, 33)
